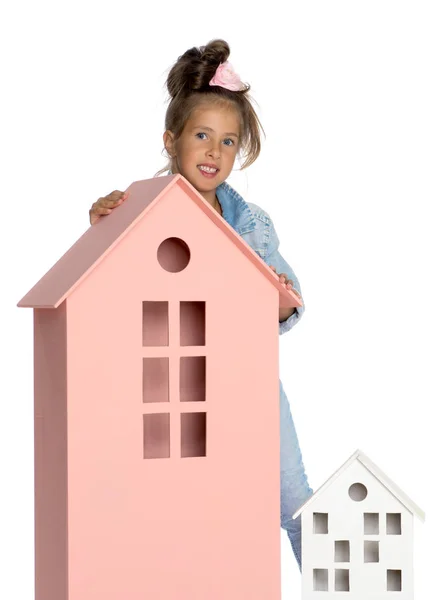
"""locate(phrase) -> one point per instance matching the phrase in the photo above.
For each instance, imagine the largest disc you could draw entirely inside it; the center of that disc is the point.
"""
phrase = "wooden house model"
(157, 408)
(357, 536)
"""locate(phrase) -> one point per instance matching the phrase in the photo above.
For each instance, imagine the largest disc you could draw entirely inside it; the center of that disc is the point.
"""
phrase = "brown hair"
(188, 86)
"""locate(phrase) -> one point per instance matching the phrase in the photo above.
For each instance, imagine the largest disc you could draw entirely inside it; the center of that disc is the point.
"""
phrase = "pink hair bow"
(226, 77)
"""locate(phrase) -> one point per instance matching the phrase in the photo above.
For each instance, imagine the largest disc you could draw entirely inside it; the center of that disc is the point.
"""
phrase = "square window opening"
(155, 379)
(320, 524)
(192, 378)
(341, 551)
(393, 580)
(193, 434)
(371, 523)
(320, 580)
(341, 580)
(156, 435)
(393, 523)
(371, 551)
(155, 324)
(192, 323)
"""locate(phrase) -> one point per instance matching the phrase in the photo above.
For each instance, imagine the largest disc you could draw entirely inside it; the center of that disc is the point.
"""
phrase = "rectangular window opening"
(192, 378)
(393, 580)
(320, 523)
(155, 324)
(320, 580)
(192, 323)
(341, 551)
(393, 523)
(371, 551)
(156, 379)
(193, 434)
(156, 435)
(371, 523)
(341, 580)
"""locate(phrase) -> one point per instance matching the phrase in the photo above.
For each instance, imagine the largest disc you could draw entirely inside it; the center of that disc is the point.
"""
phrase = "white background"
(341, 90)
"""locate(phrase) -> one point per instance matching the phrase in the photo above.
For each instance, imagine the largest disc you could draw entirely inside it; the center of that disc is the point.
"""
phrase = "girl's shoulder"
(259, 213)
(253, 211)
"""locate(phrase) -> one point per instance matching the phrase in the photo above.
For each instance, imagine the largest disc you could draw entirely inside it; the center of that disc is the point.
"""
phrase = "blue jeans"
(295, 489)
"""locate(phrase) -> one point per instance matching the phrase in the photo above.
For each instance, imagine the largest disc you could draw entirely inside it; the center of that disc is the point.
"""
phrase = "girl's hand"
(104, 206)
(283, 278)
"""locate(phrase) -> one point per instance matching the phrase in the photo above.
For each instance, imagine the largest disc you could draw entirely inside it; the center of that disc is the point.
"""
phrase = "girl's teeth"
(208, 169)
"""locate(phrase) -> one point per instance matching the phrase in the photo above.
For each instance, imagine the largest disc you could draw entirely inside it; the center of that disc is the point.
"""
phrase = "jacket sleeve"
(273, 257)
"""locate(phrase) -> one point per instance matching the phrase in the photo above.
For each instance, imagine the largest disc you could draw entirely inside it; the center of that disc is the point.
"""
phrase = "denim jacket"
(255, 226)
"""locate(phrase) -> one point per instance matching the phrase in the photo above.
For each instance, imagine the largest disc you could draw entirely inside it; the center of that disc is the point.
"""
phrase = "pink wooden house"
(157, 408)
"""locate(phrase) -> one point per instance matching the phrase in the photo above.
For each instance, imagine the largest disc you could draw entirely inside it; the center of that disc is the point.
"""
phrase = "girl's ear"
(168, 142)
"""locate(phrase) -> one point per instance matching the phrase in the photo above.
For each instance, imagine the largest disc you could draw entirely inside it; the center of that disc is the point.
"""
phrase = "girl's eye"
(226, 140)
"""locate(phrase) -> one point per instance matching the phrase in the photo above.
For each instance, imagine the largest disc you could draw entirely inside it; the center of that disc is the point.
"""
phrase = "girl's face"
(205, 152)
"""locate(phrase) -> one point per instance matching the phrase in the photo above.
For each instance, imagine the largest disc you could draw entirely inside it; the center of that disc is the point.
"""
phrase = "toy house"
(357, 536)
(157, 408)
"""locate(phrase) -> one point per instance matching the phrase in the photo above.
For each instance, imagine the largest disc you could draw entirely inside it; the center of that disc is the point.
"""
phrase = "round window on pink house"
(173, 255)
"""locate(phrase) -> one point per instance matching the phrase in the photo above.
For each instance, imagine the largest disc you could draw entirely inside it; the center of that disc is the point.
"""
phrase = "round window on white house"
(173, 255)
(357, 492)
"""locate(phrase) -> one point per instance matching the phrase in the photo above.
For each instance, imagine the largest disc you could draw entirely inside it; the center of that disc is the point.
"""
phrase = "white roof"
(380, 475)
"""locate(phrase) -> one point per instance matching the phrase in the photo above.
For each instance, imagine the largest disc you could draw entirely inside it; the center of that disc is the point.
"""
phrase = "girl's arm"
(288, 317)
(284, 313)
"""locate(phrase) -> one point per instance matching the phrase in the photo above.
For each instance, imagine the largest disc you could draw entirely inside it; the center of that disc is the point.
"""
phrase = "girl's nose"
(214, 152)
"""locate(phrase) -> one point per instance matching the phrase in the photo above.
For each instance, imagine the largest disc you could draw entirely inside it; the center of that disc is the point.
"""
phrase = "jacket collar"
(235, 210)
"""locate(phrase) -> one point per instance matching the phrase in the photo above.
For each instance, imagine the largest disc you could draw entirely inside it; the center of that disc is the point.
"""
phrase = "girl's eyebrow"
(209, 129)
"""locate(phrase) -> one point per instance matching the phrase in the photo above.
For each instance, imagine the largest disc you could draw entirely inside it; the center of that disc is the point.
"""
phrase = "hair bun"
(196, 67)
(215, 53)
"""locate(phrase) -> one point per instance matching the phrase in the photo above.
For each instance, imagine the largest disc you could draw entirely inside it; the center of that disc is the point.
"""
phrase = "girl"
(208, 121)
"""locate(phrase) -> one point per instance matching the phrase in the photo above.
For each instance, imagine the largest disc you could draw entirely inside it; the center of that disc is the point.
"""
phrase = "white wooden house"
(357, 536)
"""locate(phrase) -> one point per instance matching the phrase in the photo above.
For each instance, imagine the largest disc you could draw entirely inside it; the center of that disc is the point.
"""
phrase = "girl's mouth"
(209, 172)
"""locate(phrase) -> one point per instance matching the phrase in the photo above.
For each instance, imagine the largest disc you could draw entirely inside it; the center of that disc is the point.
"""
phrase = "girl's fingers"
(121, 199)
(281, 275)
(104, 205)
(100, 209)
(297, 293)
(288, 283)
(96, 213)
(113, 199)
(283, 278)
(110, 203)
(114, 195)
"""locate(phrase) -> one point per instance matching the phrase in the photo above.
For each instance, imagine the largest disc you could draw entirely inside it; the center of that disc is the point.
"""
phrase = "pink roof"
(100, 239)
